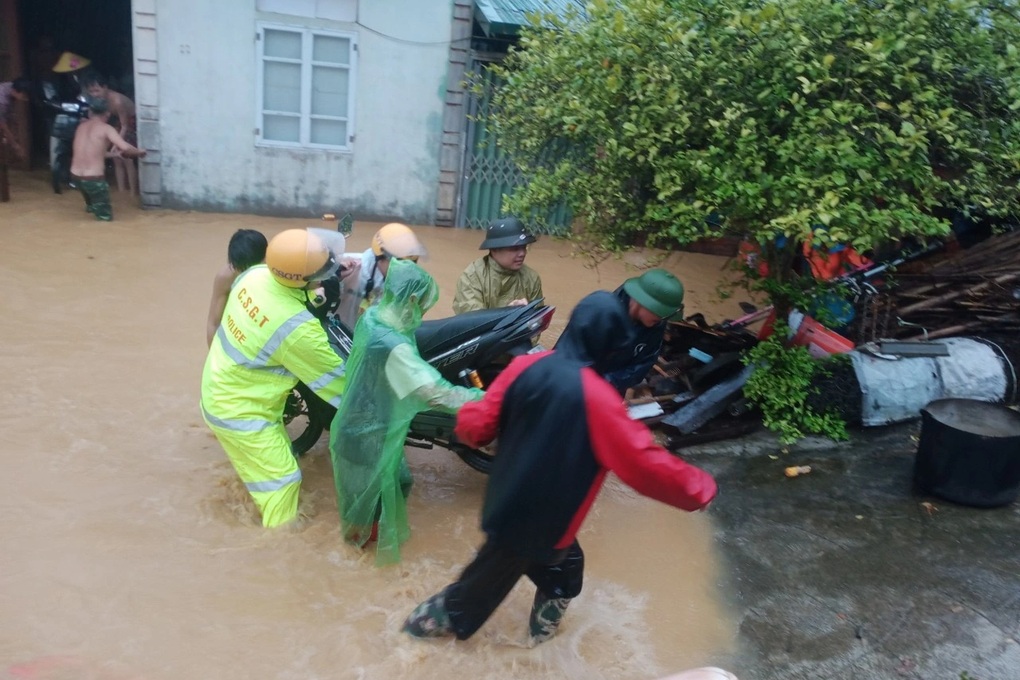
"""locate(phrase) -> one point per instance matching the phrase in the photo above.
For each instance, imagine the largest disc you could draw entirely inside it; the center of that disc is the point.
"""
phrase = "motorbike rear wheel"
(303, 421)
(475, 459)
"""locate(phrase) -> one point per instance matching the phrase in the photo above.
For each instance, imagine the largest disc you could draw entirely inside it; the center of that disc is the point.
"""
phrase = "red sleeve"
(477, 421)
(627, 447)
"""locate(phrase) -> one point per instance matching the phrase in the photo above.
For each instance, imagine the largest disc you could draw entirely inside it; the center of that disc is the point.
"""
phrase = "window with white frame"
(305, 87)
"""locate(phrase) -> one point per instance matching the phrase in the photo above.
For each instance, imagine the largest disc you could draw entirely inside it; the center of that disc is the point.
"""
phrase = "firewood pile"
(973, 292)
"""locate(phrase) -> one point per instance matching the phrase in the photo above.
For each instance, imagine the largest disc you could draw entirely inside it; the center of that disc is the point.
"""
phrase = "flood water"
(131, 550)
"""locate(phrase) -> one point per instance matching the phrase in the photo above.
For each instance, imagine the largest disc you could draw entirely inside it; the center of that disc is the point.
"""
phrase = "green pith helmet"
(506, 232)
(658, 291)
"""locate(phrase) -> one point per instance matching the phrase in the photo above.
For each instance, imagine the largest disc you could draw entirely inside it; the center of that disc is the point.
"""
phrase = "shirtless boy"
(92, 139)
(122, 116)
(246, 249)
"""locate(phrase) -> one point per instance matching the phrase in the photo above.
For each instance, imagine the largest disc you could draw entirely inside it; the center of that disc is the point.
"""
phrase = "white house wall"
(206, 111)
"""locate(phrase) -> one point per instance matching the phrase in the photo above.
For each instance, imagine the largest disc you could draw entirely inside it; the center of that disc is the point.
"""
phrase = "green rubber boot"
(429, 619)
(546, 615)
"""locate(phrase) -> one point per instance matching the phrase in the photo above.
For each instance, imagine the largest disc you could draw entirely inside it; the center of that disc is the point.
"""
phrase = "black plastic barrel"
(969, 452)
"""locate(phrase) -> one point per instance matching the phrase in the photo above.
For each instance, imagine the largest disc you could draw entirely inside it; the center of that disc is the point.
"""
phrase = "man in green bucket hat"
(651, 300)
(655, 296)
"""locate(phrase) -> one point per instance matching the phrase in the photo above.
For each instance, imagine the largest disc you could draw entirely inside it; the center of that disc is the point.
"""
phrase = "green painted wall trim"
(505, 17)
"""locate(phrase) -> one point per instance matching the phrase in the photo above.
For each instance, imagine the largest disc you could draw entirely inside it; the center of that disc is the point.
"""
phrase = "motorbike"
(469, 349)
(66, 117)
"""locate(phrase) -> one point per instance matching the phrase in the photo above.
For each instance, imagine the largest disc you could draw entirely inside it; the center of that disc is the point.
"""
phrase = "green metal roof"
(505, 17)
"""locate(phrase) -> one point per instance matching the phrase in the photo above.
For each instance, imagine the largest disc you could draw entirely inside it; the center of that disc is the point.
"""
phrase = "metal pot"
(969, 452)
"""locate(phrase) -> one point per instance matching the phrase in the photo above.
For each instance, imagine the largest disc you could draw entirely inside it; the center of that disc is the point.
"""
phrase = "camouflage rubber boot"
(429, 619)
(546, 614)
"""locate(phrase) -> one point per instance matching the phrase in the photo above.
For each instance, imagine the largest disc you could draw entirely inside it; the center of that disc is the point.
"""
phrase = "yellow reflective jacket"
(486, 285)
(266, 342)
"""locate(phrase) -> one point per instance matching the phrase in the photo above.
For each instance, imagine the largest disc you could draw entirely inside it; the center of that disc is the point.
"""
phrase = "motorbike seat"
(439, 335)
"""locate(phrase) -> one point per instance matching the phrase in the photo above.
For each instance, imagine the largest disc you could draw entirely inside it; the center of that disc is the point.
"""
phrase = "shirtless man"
(92, 140)
(122, 113)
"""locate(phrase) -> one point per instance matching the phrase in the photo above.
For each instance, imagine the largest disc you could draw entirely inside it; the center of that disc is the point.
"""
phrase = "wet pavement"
(846, 572)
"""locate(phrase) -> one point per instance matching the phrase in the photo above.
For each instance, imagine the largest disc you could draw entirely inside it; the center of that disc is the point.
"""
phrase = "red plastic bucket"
(819, 340)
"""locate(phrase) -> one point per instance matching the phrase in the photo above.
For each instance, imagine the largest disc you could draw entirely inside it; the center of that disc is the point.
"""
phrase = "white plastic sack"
(895, 389)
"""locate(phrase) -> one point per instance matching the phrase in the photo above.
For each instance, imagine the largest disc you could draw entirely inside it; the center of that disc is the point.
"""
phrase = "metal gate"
(489, 174)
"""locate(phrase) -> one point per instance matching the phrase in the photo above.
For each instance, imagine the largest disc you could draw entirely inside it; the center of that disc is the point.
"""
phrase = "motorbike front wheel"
(304, 422)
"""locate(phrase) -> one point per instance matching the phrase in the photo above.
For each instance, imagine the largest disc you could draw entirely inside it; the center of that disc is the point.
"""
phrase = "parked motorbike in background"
(469, 349)
(67, 116)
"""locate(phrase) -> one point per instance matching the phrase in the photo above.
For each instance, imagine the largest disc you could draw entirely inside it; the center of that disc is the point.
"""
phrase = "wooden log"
(943, 332)
(955, 294)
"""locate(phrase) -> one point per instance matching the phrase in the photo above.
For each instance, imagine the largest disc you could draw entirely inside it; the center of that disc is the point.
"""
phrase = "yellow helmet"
(397, 241)
(297, 257)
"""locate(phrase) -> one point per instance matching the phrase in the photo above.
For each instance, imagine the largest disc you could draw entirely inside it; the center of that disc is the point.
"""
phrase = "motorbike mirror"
(346, 225)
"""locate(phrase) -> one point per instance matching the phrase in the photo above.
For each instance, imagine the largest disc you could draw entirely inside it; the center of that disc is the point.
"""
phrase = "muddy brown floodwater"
(130, 550)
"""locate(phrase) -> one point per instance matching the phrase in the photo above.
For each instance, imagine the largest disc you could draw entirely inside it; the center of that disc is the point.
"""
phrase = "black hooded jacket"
(643, 347)
(561, 428)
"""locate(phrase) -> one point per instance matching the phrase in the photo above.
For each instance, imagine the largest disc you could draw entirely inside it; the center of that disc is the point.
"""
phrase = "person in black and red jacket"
(561, 428)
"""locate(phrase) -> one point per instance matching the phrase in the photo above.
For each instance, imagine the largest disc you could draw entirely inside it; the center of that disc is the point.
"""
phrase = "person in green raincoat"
(389, 383)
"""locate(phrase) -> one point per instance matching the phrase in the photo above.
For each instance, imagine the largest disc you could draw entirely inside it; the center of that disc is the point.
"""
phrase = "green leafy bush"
(838, 121)
(856, 122)
(781, 387)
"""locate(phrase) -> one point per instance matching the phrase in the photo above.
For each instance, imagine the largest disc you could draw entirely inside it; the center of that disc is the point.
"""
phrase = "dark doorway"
(99, 30)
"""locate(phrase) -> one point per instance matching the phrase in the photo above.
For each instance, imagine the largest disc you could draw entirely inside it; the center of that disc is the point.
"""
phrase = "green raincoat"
(484, 284)
(388, 383)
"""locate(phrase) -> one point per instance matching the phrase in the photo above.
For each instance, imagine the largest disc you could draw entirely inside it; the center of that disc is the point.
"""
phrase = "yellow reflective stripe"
(240, 359)
(274, 484)
(266, 352)
(325, 379)
(281, 334)
(236, 424)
